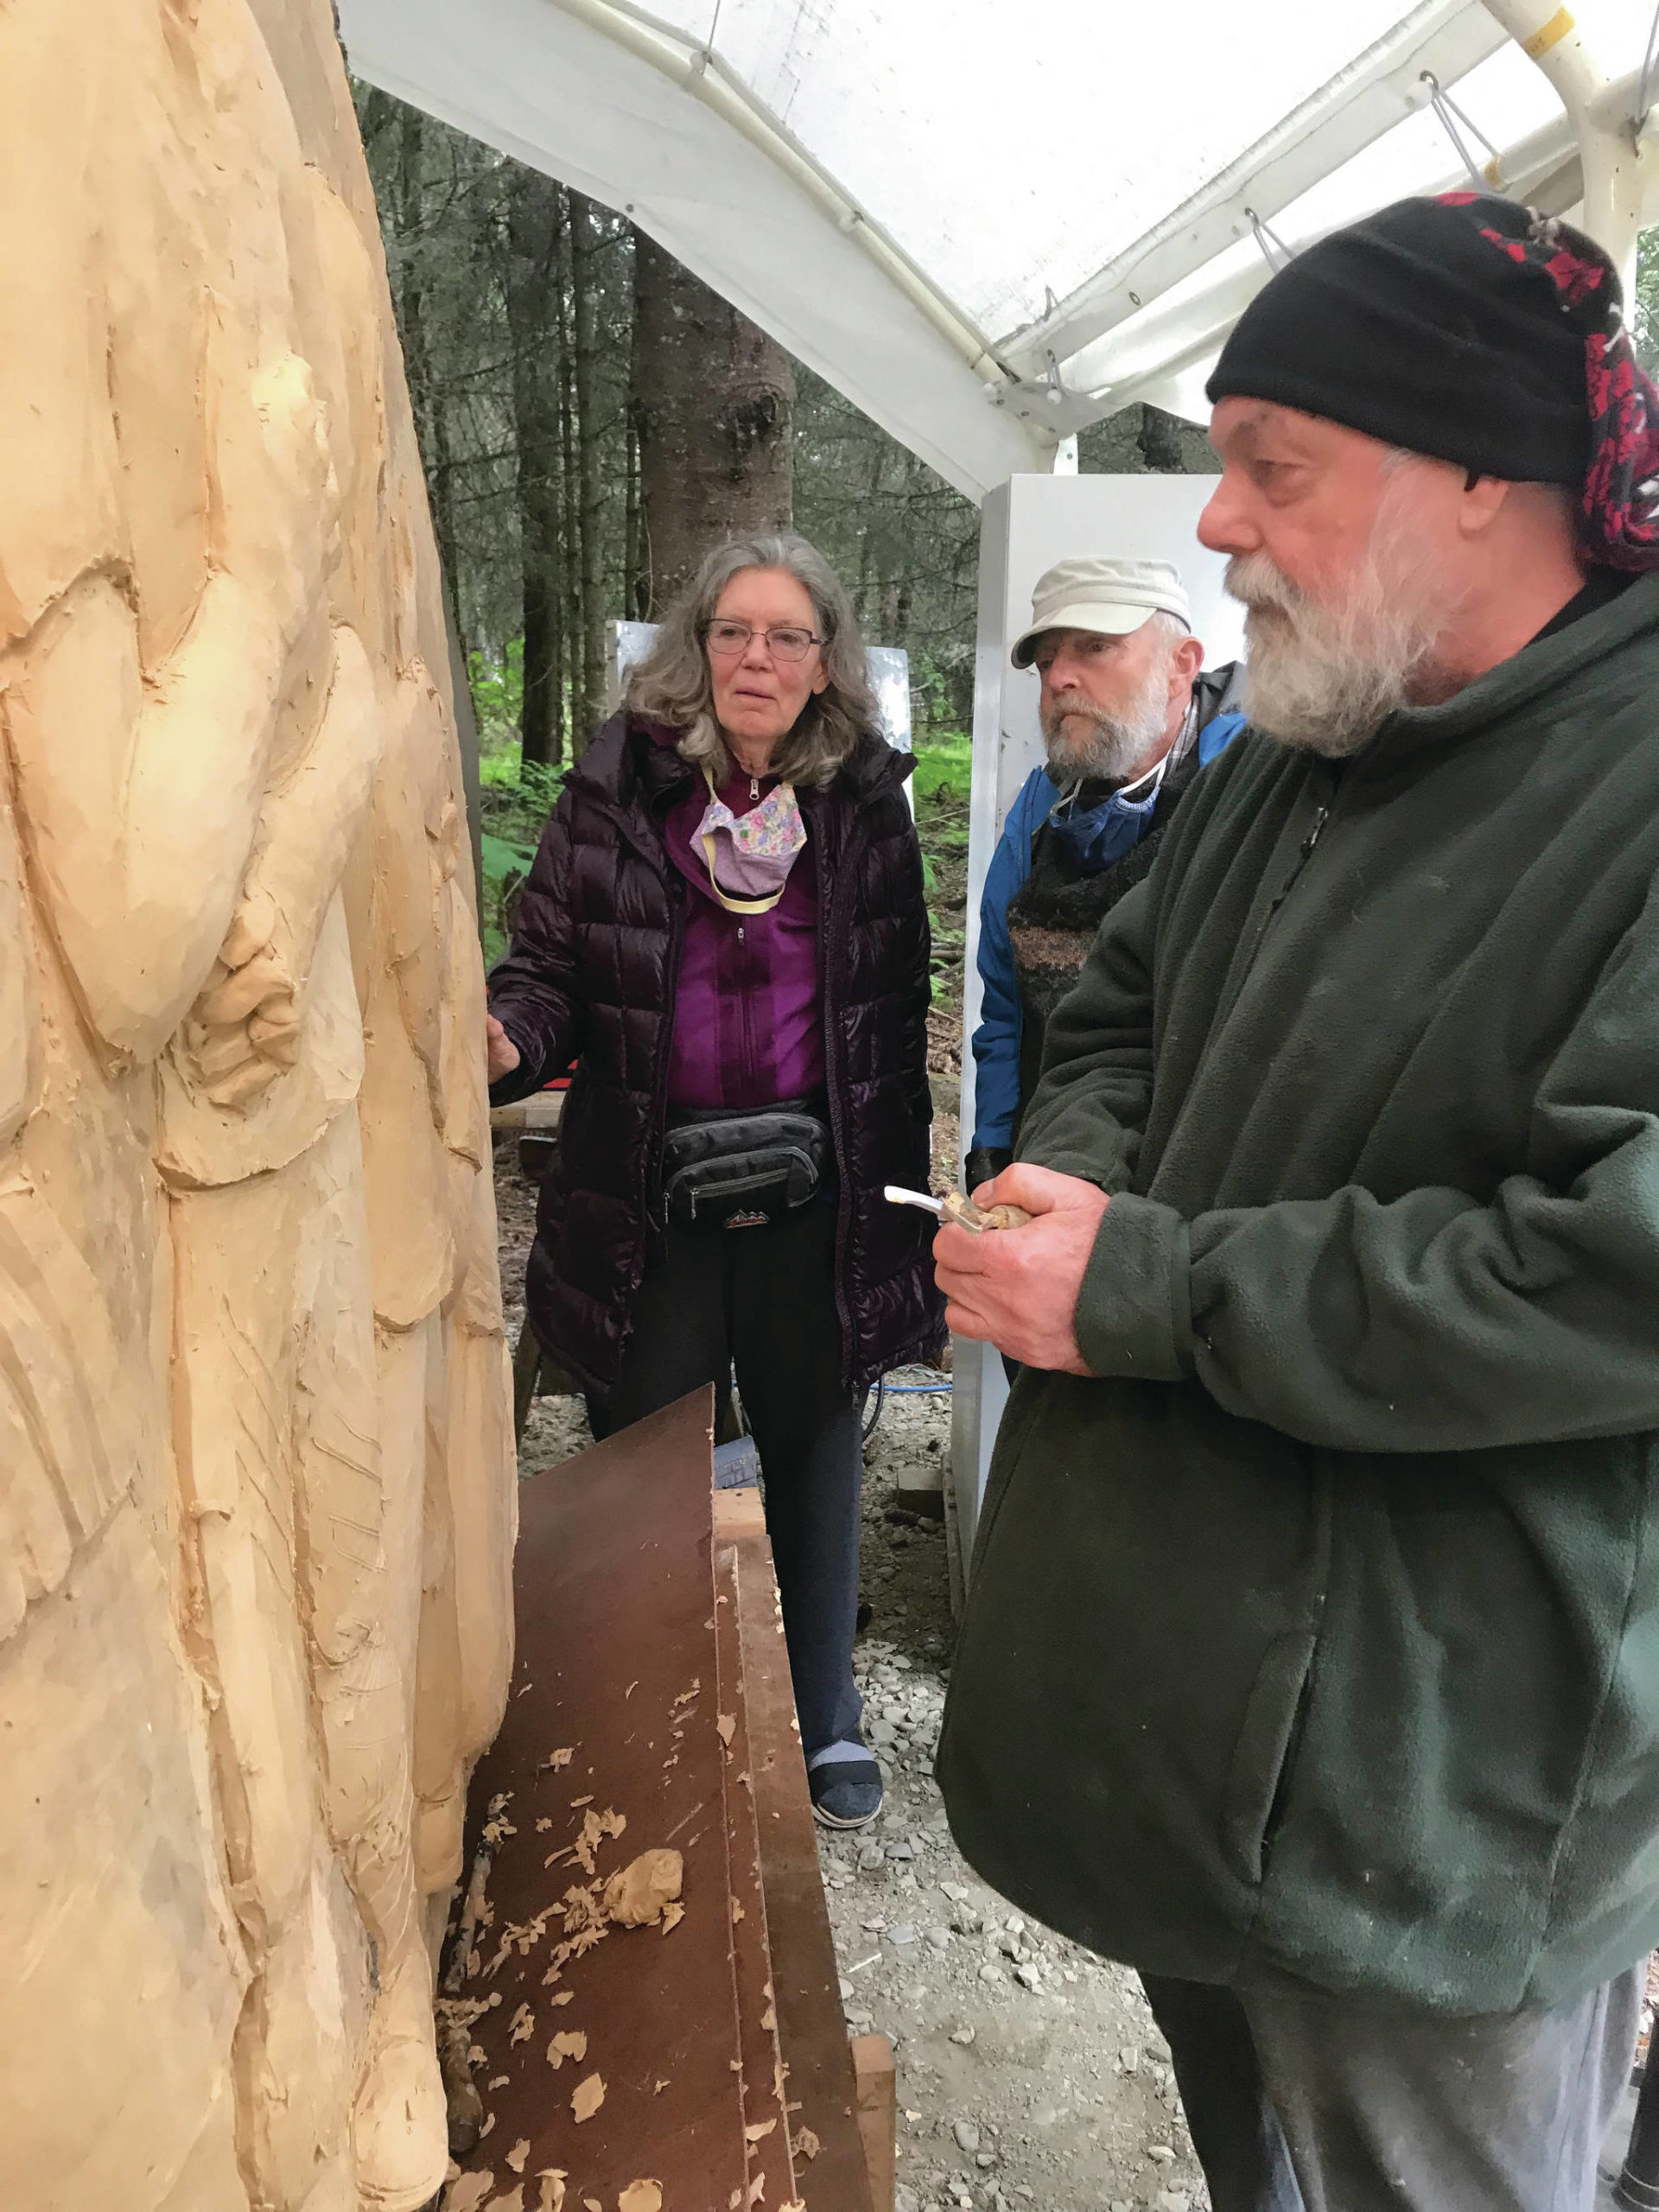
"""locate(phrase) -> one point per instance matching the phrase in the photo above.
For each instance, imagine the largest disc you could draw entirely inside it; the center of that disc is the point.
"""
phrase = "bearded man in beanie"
(1311, 1660)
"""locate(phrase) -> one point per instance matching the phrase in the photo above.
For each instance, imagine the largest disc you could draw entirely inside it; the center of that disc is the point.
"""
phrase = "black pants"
(765, 1298)
(1301, 2101)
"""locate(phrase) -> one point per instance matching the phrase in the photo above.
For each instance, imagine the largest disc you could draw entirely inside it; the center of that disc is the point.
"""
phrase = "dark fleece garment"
(1317, 1630)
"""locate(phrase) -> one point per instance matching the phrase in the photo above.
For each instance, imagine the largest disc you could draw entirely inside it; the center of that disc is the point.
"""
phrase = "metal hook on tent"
(1056, 394)
(1270, 242)
(1450, 115)
(1640, 112)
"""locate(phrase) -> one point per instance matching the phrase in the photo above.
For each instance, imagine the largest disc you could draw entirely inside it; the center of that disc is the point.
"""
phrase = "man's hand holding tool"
(1018, 1289)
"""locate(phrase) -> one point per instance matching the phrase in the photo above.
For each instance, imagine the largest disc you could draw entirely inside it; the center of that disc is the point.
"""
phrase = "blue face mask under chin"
(1096, 836)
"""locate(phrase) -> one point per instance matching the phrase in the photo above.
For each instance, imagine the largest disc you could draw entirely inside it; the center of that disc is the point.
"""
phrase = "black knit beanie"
(1472, 329)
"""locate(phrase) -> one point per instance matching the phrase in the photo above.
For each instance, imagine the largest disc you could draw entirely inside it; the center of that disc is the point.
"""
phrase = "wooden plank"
(617, 1667)
(878, 2114)
(739, 1513)
(766, 2121)
(805, 1978)
(540, 1110)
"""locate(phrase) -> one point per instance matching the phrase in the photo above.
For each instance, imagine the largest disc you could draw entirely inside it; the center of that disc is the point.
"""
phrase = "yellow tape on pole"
(1551, 33)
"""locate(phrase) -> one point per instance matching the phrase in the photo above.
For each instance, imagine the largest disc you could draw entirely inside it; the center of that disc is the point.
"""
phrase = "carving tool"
(963, 1210)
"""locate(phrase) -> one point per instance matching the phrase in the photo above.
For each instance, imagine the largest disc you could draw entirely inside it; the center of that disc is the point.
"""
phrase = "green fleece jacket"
(1318, 1634)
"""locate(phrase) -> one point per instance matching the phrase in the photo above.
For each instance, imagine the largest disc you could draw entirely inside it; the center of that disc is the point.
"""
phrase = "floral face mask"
(752, 852)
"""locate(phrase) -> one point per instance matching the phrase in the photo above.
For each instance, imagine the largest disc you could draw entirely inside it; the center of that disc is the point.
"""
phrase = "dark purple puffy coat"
(589, 976)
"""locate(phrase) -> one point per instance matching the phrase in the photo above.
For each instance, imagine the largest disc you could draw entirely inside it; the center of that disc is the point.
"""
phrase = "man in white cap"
(1128, 721)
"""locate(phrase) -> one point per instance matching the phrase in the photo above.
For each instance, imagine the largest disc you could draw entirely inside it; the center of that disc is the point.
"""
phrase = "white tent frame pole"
(700, 72)
(1378, 90)
(1544, 168)
(1619, 176)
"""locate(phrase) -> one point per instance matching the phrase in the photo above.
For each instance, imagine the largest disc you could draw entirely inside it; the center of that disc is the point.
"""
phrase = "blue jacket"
(996, 1040)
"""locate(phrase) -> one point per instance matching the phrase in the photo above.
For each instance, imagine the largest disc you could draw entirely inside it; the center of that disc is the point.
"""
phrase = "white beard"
(1323, 678)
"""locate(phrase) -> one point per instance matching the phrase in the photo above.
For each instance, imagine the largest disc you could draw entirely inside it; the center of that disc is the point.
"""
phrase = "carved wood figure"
(256, 1510)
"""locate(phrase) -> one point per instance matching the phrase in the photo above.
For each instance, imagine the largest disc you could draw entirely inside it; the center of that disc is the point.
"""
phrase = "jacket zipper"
(665, 1059)
(1323, 810)
(832, 878)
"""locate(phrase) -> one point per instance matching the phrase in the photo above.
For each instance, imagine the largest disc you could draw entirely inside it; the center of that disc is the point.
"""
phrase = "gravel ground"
(1030, 2073)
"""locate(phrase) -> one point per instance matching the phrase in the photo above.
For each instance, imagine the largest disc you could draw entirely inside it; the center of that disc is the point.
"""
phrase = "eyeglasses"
(728, 638)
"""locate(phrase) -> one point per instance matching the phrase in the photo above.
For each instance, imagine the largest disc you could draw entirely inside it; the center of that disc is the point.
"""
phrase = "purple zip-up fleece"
(748, 1017)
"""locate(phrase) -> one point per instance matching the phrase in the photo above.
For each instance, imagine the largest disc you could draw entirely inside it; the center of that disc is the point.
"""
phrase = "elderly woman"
(725, 930)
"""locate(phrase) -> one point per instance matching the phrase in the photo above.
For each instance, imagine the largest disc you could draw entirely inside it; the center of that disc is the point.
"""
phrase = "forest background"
(592, 417)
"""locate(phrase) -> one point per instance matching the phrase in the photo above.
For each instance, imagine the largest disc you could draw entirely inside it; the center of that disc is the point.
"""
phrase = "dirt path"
(1029, 2072)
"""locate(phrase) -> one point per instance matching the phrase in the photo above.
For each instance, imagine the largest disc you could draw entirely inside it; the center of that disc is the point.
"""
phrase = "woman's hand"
(502, 1052)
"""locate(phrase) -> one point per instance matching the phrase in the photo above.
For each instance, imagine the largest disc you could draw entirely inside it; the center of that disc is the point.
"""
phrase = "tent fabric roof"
(989, 225)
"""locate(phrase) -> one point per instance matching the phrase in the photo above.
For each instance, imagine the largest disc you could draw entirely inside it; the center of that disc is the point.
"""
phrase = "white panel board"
(1027, 524)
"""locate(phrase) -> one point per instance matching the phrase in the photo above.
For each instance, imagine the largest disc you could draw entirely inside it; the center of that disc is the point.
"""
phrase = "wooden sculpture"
(256, 1510)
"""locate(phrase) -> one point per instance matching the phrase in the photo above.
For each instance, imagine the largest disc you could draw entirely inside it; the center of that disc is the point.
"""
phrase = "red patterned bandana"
(1618, 515)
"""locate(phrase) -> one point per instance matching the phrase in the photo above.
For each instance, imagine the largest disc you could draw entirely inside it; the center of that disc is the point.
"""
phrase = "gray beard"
(1112, 745)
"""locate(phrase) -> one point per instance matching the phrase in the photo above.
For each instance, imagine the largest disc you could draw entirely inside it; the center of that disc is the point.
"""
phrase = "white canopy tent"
(990, 226)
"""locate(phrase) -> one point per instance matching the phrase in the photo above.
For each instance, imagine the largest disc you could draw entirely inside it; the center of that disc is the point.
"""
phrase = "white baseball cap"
(1097, 593)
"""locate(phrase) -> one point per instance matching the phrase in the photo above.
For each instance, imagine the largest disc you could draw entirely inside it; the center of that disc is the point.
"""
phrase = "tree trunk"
(533, 275)
(586, 244)
(431, 423)
(714, 398)
(581, 721)
(1160, 442)
(636, 580)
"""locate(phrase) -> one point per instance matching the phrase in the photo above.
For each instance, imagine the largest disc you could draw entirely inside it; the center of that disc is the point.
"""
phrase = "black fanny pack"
(722, 1170)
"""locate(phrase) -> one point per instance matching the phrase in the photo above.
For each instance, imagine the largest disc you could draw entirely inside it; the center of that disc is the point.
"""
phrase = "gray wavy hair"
(672, 685)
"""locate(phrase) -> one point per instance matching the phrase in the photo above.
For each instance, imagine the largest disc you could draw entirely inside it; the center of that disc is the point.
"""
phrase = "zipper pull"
(1312, 836)
(740, 932)
(754, 787)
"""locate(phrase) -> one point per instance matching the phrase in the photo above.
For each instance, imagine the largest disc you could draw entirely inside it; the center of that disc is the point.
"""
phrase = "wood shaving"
(523, 2025)
(498, 2081)
(769, 2018)
(595, 1827)
(726, 1724)
(587, 2098)
(673, 1917)
(469, 2192)
(571, 2045)
(636, 1896)
(577, 1803)
(557, 1759)
(565, 1997)
(686, 1696)
(592, 2204)
(641, 2197)
(543, 1824)
(737, 1912)
(489, 2122)
(552, 2181)
(518, 2153)
(513, 2202)
(660, 2086)
(630, 1690)
(753, 2134)
(757, 2189)
(807, 2145)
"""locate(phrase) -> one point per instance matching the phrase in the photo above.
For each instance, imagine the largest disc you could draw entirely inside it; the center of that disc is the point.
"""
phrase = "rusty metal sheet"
(766, 2119)
(617, 1667)
(806, 1980)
